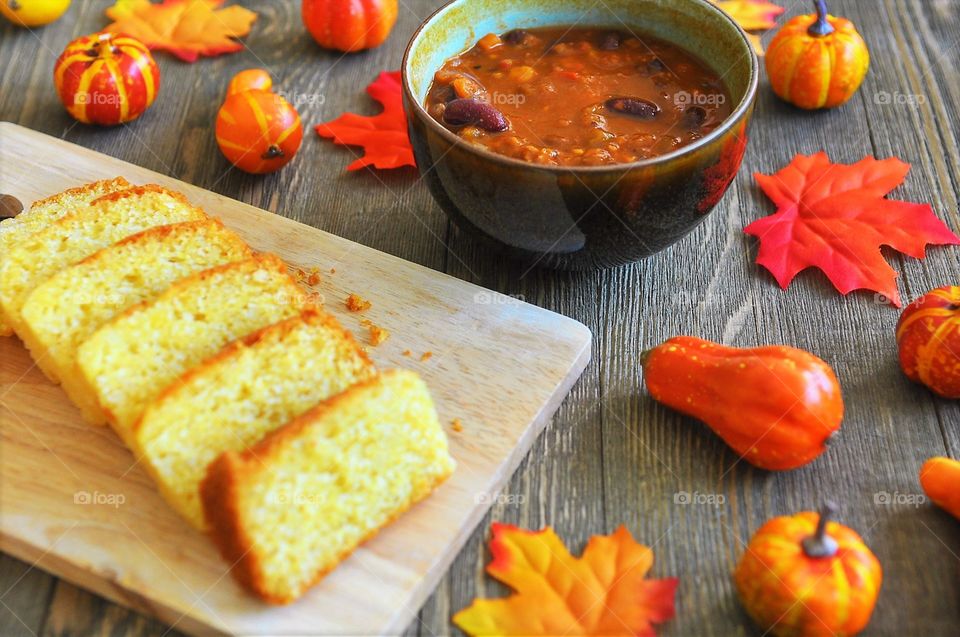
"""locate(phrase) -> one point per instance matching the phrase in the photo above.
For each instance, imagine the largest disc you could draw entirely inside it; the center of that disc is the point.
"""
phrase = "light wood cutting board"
(74, 502)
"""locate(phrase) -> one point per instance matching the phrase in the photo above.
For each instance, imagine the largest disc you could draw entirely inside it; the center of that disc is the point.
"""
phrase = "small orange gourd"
(349, 25)
(928, 341)
(940, 479)
(776, 406)
(805, 576)
(817, 61)
(257, 130)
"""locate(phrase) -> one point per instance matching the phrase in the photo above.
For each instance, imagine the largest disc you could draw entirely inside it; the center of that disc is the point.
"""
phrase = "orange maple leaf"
(185, 28)
(603, 592)
(752, 15)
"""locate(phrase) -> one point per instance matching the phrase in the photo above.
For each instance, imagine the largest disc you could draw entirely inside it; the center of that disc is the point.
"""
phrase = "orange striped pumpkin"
(349, 25)
(804, 575)
(928, 340)
(817, 61)
(258, 131)
(106, 79)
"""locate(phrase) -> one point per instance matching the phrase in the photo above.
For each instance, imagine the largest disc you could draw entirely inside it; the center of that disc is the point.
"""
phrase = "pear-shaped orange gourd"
(940, 479)
(776, 406)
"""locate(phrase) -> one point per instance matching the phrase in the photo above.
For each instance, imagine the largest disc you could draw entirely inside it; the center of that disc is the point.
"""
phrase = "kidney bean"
(655, 66)
(461, 112)
(517, 36)
(694, 117)
(635, 106)
(611, 41)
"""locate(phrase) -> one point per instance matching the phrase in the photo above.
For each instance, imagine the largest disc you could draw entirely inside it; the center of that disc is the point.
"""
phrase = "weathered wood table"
(612, 455)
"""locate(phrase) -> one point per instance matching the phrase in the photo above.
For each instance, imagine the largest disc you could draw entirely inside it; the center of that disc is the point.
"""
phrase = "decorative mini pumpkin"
(940, 479)
(106, 79)
(817, 61)
(33, 13)
(805, 576)
(928, 341)
(776, 406)
(349, 25)
(257, 130)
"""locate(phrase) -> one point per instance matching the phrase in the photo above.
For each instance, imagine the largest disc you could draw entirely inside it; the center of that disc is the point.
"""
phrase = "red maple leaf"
(834, 217)
(383, 137)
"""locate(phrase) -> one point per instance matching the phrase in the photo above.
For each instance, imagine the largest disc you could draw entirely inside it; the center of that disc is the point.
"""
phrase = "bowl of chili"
(577, 134)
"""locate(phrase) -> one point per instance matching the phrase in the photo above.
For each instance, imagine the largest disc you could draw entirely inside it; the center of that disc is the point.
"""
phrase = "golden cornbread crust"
(139, 191)
(312, 315)
(221, 496)
(227, 530)
(48, 210)
(181, 288)
(117, 183)
(277, 372)
(86, 229)
(58, 315)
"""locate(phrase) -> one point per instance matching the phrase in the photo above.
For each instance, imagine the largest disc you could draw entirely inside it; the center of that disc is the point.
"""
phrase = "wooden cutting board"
(74, 502)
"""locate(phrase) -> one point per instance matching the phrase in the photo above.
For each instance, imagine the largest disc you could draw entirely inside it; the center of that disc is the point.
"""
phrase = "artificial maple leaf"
(834, 217)
(185, 28)
(752, 15)
(603, 592)
(384, 137)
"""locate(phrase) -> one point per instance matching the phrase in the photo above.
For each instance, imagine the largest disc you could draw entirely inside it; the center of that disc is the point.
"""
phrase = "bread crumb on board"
(457, 425)
(377, 334)
(426, 356)
(310, 277)
(356, 303)
(407, 352)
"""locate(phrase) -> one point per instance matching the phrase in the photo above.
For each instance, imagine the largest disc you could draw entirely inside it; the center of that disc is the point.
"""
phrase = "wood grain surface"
(96, 520)
(611, 455)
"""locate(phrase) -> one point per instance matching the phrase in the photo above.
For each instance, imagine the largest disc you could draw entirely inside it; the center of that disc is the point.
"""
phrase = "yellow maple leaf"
(603, 592)
(752, 15)
(185, 28)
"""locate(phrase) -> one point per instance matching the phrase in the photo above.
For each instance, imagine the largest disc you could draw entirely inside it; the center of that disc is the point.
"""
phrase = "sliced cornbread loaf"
(66, 309)
(288, 509)
(131, 359)
(232, 400)
(82, 232)
(45, 212)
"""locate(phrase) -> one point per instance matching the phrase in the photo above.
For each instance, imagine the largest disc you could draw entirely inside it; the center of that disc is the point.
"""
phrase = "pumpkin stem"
(822, 26)
(820, 544)
(273, 151)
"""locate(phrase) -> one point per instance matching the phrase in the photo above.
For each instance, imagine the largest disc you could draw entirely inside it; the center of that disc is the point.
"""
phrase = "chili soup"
(570, 96)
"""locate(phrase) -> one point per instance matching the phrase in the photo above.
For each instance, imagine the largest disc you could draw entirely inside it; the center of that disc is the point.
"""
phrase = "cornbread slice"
(232, 400)
(131, 359)
(45, 212)
(66, 309)
(82, 232)
(287, 510)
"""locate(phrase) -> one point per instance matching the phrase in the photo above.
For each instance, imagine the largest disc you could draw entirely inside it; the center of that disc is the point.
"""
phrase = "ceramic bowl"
(592, 216)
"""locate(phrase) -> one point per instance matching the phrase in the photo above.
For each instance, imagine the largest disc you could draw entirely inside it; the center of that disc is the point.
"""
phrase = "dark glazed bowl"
(580, 217)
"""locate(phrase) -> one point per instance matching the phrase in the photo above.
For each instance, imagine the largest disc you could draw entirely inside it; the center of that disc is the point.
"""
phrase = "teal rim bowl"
(580, 217)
